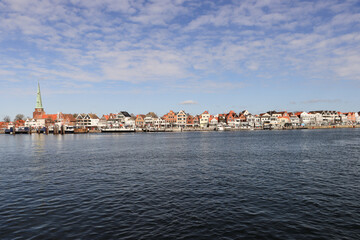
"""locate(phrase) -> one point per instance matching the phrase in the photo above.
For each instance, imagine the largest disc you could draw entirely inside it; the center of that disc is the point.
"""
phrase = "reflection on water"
(38, 143)
(228, 185)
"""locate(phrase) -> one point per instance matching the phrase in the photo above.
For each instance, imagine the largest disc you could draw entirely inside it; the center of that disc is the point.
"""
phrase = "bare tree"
(7, 119)
(19, 117)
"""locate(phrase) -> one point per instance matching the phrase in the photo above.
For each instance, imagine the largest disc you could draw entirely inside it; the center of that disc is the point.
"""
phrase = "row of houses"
(244, 119)
(181, 119)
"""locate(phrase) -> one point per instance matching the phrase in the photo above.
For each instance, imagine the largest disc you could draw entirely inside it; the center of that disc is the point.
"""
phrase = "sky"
(103, 56)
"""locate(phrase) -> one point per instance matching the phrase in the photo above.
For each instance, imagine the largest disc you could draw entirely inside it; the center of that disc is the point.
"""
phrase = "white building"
(330, 117)
(213, 121)
(204, 120)
(159, 122)
(295, 120)
(89, 120)
(181, 118)
(307, 119)
(35, 123)
(150, 119)
(130, 122)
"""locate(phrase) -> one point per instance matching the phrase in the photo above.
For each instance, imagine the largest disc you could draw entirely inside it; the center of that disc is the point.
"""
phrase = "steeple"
(39, 110)
(38, 99)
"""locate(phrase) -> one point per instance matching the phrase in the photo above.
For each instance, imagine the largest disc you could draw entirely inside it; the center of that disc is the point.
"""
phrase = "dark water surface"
(210, 185)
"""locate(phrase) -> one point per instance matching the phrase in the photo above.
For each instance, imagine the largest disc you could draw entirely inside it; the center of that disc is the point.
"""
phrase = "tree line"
(17, 117)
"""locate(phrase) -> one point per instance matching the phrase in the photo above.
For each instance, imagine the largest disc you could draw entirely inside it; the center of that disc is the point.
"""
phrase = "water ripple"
(232, 185)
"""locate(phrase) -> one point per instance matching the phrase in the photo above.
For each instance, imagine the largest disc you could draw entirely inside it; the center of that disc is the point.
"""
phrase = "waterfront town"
(122, 121)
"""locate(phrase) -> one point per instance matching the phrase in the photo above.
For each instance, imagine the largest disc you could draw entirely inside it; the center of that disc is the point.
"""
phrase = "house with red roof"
(4, 125)
(204, 120)
(190, 121)
(213, 121)
(231, 118)
(140, 120)
(351, 117)
(196, 120)
(170, 118)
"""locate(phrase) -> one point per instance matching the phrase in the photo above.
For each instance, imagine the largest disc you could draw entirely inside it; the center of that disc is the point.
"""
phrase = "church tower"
(39, 110)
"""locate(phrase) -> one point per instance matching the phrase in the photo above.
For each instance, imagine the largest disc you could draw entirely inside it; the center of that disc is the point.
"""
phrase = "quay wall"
(198, 129)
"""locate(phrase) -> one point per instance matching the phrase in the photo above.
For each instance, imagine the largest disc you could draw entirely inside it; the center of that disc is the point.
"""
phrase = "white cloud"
(168, 41)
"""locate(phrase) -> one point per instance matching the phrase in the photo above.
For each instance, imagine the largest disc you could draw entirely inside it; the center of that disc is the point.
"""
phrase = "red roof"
(52, 117)
(4, 125)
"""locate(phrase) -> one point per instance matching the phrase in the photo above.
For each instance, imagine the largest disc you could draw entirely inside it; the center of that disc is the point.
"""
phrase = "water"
(196, 185)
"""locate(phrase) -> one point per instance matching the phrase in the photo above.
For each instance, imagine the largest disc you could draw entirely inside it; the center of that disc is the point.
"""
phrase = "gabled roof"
(69, 117)
(52, 117)
(93, 116)
(140, 116)
(151, 114)
(126, 114)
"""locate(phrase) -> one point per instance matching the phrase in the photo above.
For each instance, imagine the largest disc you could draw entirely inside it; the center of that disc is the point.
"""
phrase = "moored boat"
(117, 130)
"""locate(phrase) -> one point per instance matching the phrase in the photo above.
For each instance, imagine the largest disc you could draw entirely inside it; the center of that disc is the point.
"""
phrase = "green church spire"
(38, 98)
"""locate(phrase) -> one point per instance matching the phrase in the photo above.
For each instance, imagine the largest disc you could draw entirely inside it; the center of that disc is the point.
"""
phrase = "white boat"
(223, 128)
(69, 129)
(115, 130)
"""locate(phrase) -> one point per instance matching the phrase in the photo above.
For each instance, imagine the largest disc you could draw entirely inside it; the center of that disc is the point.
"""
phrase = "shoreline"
(210, 129)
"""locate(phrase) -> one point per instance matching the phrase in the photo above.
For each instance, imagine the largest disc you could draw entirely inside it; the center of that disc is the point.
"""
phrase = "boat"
(22, 130)
(117, 130)
(19, 130)
(81, 130)
(69, 129)
(221, 127)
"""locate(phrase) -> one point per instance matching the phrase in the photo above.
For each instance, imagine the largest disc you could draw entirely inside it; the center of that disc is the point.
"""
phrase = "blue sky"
(104, 56)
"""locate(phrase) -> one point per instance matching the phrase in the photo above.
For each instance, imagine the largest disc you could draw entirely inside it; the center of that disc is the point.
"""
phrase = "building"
(63, 119)
(150, 119)
(103, 121)
(170, 118)
(204, 120)
(190, 121)
(89, 121)
(159, 122)
(213, 121)
(39, 112)
(329, 117)
(351, 117)
(306, 119)
(196, 121)
(230, 118)
(265, 119)
(4, 125)
(117, 119)
(181, 119)
(294, 119)
(140, 120)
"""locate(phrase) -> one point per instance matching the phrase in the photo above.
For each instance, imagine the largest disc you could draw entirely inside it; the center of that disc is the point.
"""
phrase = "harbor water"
(301, 184)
